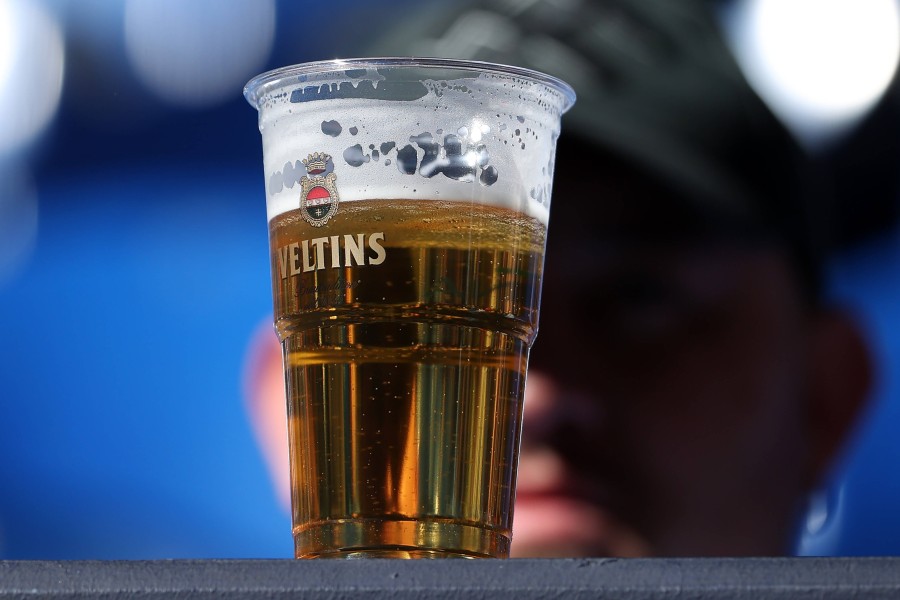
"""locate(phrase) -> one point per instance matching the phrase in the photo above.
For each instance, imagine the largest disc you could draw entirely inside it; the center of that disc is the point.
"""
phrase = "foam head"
(409, 128)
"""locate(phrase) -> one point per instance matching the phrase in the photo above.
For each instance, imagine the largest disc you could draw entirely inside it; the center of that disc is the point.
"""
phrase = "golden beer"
(405, 327)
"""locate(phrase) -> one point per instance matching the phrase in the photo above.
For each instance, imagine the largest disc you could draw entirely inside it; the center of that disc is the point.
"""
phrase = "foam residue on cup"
(488, 138)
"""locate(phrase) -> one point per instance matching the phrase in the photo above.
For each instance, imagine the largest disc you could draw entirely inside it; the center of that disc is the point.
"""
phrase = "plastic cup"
(408, 203)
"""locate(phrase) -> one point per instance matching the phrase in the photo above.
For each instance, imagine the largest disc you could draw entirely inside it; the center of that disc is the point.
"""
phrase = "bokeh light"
(31, 72)
(820, 64)
(198, 53)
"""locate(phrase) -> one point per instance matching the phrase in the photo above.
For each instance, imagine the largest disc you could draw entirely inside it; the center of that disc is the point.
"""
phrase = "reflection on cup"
(407, 203)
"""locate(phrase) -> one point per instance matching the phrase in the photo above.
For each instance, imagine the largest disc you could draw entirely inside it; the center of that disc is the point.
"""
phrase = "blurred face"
(664, 410)
(681, 394)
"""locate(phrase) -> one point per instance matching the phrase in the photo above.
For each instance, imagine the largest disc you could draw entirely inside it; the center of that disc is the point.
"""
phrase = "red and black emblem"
(318, 197)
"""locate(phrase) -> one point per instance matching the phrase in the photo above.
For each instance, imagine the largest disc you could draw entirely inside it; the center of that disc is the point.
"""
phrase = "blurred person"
(689, 386)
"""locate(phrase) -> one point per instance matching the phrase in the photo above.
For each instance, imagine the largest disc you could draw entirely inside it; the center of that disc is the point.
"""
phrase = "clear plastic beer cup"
(407, 203)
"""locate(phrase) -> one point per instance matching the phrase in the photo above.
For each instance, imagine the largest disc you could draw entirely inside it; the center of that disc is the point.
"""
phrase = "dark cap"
(656, 85)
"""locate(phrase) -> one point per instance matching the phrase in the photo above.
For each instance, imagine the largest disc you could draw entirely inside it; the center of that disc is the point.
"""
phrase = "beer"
(407, 201)
(405, 327)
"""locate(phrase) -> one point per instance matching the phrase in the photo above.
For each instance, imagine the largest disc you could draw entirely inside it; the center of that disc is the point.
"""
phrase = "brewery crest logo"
(319, 196)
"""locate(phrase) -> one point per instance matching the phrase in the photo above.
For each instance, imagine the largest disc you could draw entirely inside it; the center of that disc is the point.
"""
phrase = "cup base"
(399, 539)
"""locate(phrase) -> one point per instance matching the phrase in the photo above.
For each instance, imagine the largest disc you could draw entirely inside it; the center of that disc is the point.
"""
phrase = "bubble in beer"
(292, 173)
(407, 159)
(332, 128)
(355, 156)
(489, 176)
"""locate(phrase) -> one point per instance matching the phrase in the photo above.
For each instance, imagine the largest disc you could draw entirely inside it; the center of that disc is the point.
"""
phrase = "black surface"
(585, 578)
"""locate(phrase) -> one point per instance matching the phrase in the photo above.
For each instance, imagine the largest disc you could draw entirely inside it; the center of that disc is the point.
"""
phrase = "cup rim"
(259, 85)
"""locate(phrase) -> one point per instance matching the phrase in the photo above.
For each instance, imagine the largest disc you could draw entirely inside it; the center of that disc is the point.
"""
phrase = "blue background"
(123, 427)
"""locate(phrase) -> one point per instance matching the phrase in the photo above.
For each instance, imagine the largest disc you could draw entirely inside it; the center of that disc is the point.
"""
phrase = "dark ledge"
(633, 579)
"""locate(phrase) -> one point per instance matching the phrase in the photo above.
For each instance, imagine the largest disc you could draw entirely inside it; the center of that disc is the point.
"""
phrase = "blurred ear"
(840, 380)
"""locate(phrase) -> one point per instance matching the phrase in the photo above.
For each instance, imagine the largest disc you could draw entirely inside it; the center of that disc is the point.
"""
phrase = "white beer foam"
(489, 139)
